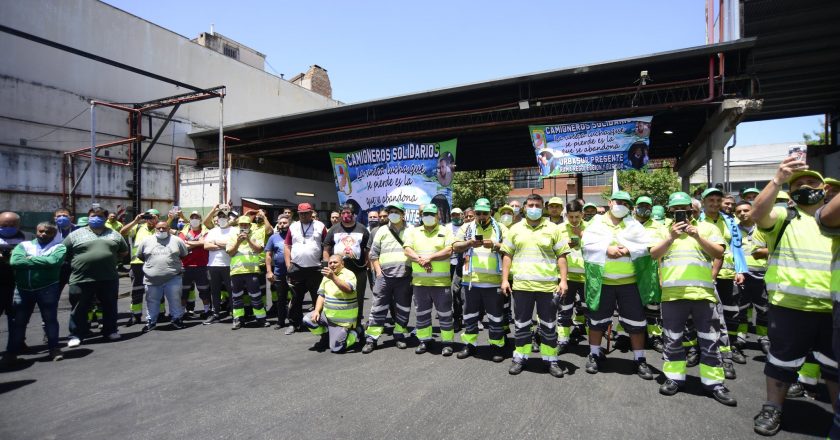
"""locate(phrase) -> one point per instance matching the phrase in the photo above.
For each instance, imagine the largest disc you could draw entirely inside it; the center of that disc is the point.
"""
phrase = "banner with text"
(411, 173)
(582, 147)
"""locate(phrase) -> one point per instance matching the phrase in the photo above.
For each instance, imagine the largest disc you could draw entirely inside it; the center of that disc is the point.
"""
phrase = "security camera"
(644, 77)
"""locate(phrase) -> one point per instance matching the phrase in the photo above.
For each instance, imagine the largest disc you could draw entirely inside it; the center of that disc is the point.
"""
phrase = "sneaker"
(740, 343)
(669, 388)
(133, 319)
(738, 356)
(447, 350)
(795, 390)
(211, 319)
(55, 355)
(768, 421)
(189, 314)
(178, 324)
(369, 347)
(593, 363)
(722, 395)
(401, 344)
(555, 369)
(765, 344)
(163, 317)
(729, 370)
(262, 322)
(73, 342)
(421, 348)
(467, 351)
(643, 369)
(237, 324)
(657, 344)
(149, 327)
(290, 330)
(692, 357)
(516, 368)
(114, 336)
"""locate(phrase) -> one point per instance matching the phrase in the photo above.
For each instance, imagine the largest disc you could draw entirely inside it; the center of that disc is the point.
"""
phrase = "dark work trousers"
(490, 299)
(388, 292)
(567, 309)
(523, 309)
(281, 286)
(753, 294)
(219, 281)
(302, 280)
(730, 307)
(705, 315)
(195, 276)
(83, 295)
(455, 274)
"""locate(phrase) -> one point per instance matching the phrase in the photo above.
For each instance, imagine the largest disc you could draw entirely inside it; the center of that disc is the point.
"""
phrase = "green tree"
(467, 186)
(818, 137)
(657, 184)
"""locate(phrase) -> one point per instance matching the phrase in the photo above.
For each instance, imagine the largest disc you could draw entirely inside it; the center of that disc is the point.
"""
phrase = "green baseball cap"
(621, 195)
(398, 205)
(153, 211)
(82, 221)
(555, 201)
(590, 205)
(431, 208)
(657, 212)
(644, 199)
(750, 191)
(831, 181)
(803, 173)
(678, 199)
(482, 205)
(506, 208)
(711, 191)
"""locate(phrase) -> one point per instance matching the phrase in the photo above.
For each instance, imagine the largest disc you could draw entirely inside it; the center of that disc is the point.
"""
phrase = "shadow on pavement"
(5, 387)
(805, 417)
(76, 353)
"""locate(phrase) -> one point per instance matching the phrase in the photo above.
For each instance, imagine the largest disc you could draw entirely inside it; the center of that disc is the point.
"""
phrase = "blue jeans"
(23, 306)
(172, 291)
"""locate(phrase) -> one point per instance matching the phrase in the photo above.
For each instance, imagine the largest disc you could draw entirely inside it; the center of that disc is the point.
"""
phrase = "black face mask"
(259, 220)
(45, 240)
(587, 217)
(643, 212)
(807, 196)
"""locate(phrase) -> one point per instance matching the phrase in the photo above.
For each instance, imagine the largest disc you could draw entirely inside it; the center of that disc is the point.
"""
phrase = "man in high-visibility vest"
(573, 303)
(393, 279)
(142, 227)
(429, 248)
(195, 277)
(535, 253)
(753, 292)
(828, 219)
(798, 282)
(245, 251)
(480, 241)
(334, 317)
(687, 251)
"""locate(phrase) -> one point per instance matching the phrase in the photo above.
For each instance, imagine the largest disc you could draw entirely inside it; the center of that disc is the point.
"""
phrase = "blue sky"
(376, 49)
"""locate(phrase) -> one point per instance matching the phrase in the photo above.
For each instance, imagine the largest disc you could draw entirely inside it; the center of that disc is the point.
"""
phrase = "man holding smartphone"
(573, 303)
(245, 258)
(138, 230)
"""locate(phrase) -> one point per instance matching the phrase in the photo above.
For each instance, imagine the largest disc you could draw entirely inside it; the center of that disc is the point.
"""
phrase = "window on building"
(526, 178)
(231, 51)
(603, 179)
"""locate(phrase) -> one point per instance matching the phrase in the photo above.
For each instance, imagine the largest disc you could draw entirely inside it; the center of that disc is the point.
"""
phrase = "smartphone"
(479, 237)
(575, 241)
(800, 153)
(680, 216)
(324, 264)
(224, 207)
(176, 209)
(243, 231)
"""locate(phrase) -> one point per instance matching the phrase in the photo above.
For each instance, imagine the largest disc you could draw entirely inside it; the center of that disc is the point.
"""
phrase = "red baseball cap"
(304, 207)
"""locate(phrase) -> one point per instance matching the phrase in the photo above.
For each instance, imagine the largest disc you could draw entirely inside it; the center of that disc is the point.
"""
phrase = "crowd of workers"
(690, 279)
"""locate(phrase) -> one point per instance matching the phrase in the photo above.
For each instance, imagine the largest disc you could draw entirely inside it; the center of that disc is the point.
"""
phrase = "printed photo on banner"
(591, 146)
(413, 173)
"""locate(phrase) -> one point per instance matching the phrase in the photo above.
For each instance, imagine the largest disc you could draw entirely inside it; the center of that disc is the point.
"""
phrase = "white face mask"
(394, 218)
(161, 234)
(506, 219)
(533, 213)
(223, 223)
(194, 222)
(619, 211)
(429, 220)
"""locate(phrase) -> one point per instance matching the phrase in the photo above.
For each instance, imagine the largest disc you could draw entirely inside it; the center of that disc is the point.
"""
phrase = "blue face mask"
(533, 213)
(96, 222)
(180, 225)
(62, 221)
(8, 231)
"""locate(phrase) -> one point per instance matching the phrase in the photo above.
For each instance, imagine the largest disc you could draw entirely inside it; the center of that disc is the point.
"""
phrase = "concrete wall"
(42, 89)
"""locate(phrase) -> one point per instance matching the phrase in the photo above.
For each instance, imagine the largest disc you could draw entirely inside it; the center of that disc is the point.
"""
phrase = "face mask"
(429, 220)
(457, 221)
(807, 196)
(161, 234)
(533, 213)
(346, 218)
(619, 211)
(516, 210)
(394, 218)
(282, 230)
(587, 217)
(506, 219)
(180, 225)
(8, 231)
(45, 240)
(195, 223)
(643, 212)
(96, 222)
(259, 220)
(223, 223)
(244, 230)
(62, 221)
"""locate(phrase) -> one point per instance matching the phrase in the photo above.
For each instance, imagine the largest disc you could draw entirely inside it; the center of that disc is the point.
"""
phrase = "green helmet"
(678, 199)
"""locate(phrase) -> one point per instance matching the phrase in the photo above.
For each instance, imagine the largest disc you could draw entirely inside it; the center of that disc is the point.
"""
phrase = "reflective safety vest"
(425, 243)
(482, 266)
(574, 259)
(835, 261)
(799, 268)
(245, 260)
(617, 271)
(753, 240)
(258, 235)
(685, 269)
(141, 232)
(389, 252)
(340, 308)
(727, 269)
(534, 252)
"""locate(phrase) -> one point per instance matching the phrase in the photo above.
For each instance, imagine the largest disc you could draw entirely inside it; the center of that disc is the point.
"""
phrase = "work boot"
(739, 342)
(768, 421)
(290, 330)
(149, 327)
(466, 352)
(369, 347)
(722, 395)
(401, 344)
(657, 344)
(421, 348)
(692, 357)
(593, 363)
(643, 369)
(188, 314)
(765, 344)
(795, 390)
(177, 324)
(56, 355)
(447, 350)
(555, 369)
(498, 354)
(669, 388)
(262, 322)
(323, 343)
(738, 356)
(516, 367)
(237, 324)
(729, 370)
(562, 347)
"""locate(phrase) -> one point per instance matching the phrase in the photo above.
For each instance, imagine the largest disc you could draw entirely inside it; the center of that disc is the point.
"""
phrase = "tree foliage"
(467, 186)
(818, 137)
(657, 184)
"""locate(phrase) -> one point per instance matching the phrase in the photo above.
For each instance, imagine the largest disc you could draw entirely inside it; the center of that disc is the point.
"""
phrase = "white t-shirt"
(219, 258)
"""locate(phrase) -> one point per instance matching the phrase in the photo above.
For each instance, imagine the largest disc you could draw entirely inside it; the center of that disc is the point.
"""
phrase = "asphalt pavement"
(208, 382)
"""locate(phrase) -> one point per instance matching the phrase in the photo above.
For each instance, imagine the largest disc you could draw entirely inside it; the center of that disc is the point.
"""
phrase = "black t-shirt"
(351, 242)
